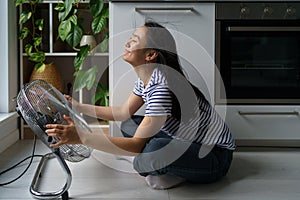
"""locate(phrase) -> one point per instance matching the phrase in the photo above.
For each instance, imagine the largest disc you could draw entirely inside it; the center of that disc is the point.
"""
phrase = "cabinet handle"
(177, 9)
(268, 113)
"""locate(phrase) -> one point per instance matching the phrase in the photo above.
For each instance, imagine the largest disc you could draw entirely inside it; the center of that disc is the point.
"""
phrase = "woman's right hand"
(71, 100)
(68, 97)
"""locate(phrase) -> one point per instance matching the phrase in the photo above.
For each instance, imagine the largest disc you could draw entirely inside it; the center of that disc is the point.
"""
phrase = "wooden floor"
(262, 174)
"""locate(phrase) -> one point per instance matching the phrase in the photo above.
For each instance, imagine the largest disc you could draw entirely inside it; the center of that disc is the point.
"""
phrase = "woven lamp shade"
(50, 75)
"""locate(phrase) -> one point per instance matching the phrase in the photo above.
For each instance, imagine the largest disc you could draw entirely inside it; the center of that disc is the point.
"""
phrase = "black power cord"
(14, 166)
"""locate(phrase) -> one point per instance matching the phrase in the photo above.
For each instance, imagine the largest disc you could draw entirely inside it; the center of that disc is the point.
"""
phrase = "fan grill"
(37, 106)
(40, 104)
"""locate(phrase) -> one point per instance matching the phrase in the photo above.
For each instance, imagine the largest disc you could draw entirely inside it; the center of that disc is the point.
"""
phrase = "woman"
(180, 138)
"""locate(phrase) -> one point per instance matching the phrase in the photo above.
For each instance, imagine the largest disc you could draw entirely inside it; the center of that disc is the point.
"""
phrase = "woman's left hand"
(67, 134)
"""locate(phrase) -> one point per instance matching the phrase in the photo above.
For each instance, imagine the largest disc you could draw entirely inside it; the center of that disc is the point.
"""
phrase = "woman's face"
(135, 52)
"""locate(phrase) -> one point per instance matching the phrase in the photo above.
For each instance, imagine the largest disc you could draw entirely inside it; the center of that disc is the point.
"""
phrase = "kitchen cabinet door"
(192, 25)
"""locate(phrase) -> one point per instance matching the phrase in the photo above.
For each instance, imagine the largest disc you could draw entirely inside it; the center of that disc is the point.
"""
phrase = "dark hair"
(161, 40)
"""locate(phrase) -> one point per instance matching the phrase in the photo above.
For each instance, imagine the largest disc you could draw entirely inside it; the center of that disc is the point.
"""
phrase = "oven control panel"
(258, 10)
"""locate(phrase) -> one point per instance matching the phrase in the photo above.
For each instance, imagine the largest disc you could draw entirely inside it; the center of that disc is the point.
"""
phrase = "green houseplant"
(71, 32)
(32, 28)
(31, 31)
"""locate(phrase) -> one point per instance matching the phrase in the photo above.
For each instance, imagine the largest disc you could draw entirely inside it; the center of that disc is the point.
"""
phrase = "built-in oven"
(257, 53)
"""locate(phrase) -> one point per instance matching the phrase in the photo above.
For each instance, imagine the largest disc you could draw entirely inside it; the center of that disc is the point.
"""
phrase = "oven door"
(258, 62)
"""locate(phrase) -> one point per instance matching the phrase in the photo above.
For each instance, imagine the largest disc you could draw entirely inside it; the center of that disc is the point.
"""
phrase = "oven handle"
(268, 113)
(259, 28)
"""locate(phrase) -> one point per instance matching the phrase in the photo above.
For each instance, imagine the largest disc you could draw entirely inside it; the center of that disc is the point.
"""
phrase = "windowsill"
(7, 116)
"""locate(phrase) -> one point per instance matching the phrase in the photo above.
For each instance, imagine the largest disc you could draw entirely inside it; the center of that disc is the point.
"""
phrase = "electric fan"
(39, 103)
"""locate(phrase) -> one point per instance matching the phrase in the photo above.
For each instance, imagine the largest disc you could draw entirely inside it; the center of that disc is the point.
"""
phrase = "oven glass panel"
(261, 61)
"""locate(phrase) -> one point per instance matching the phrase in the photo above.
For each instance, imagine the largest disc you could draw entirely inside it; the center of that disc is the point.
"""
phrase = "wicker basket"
(50, 74)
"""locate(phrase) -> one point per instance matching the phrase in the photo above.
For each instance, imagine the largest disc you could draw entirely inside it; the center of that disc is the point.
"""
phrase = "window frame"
(9, 56)
(9, 74)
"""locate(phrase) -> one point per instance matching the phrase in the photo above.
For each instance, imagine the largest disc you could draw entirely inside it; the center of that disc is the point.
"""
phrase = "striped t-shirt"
(205, 126)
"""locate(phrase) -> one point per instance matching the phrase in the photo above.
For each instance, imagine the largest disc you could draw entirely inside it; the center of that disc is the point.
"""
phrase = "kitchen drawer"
(279, 124)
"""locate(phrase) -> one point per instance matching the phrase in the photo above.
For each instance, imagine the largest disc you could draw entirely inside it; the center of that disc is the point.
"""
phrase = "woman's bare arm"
(113, 113)
(69, 134)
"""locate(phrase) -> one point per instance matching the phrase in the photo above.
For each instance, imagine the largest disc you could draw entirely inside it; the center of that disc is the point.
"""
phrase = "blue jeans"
(165, 155)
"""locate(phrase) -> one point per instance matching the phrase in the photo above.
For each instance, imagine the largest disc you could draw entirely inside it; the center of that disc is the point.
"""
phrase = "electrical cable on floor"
(14, 166)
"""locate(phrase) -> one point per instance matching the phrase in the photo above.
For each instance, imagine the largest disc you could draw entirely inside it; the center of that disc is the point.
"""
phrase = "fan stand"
(63, 192)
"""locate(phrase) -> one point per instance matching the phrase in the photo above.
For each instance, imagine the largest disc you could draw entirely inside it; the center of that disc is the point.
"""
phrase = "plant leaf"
(104, 44)
(64, 29)
(81, 56)
(40, 24)
(28, 49)
(37, 57)
(99, 22)
(59, 7)
(96, 7)
(106, 100)
(40, 67)
(24, 33)
(85, 78)
(37, 41)
(90, 79)
(102, 94)
(80, 78)
(68, 8)
(60, 15)
(95, 98)
(19, 2)
(73, 19)
(74, 36)
(25, 16)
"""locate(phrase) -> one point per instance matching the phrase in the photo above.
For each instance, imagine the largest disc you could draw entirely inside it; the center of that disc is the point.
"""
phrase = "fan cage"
(39, 104)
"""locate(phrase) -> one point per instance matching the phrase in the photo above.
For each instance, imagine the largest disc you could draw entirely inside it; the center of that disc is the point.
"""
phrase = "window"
(9, 56)
(9, 78)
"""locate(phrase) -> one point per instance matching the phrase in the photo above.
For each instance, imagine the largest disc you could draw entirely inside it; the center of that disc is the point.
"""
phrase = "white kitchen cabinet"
(263, 125)
(192, 25)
